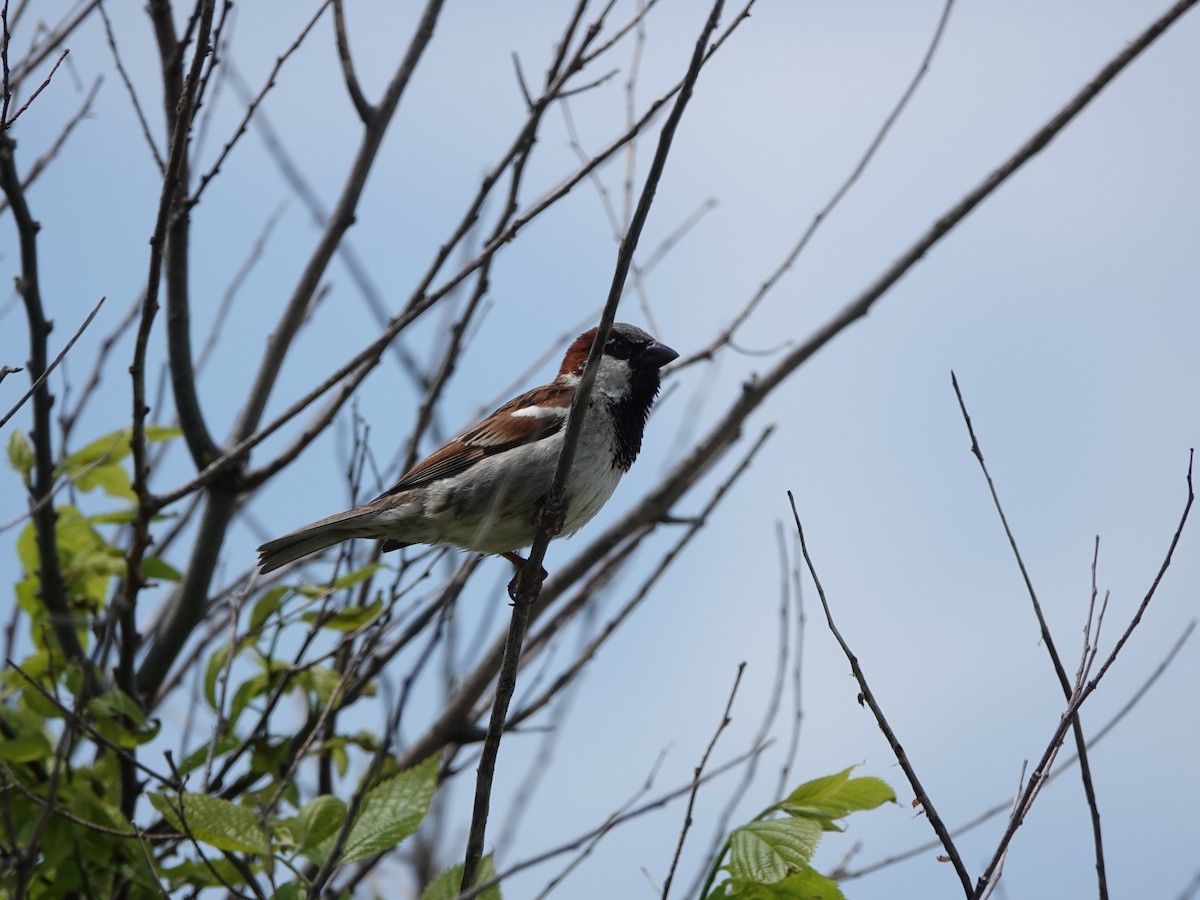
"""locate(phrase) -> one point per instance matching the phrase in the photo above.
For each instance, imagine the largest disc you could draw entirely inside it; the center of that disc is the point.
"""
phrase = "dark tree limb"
(1085, 768)
(361, 105)
(53, 589)
(172, 189)
(40, 380)
(868, 697)
(186, 607)
(528, 583)
(180, 103)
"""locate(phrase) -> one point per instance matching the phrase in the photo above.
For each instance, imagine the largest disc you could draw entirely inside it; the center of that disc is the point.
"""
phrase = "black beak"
(658, 355)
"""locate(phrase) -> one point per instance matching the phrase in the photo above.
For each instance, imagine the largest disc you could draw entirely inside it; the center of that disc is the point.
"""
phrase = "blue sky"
(1067, 305)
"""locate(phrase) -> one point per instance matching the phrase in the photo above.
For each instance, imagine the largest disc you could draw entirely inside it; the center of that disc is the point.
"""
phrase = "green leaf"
(20, 455)
(215, 872)
(213, 821)
(116, 703)
(27, 551)
(111, 478)
(158, 433)
(321, 681)
(116, 517)
(216, 670)
(216, 665)
(446, 886)
(769, 851)
(266, 605)
(153, 567)
(358, 576)
(105, 453)
(350, 618)
(807, 884)
(194, 760)
(252, 687)
(320, 818)
(111, 448)
(391, 811)
(810, 884)
(27, 746)
(836, 796)
(120, 719)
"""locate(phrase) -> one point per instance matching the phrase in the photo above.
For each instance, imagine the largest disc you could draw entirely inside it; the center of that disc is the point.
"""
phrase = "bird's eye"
(619, 348)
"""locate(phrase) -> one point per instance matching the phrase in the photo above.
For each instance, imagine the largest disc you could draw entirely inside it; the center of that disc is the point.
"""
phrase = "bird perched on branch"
(481, 490)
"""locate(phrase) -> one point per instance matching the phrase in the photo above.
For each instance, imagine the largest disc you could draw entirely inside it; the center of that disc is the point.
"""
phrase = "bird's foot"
(519, 562)
(552, 521)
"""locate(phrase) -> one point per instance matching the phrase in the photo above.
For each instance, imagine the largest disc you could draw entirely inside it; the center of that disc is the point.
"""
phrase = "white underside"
(488, 508)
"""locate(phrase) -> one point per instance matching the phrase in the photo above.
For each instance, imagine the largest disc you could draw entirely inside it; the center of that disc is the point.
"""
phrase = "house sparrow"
(480, 491)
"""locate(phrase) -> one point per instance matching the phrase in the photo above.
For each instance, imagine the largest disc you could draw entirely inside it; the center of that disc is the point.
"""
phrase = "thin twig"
(1037, 779)
(869, 697)
(53, 40)
(727, 335)
(590, 847)
(1061, 769)
(52, 151)
(129, 89)
(52, 587)
(53, 365)
(788, 585)
(607, 826)
(696, 776)
(528, 585)
(1085, 769)
(8, 124)
(696, 524)
(253, 105)
(361, 104)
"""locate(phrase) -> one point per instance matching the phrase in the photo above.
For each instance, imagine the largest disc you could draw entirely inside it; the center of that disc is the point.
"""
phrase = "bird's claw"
(519, 562)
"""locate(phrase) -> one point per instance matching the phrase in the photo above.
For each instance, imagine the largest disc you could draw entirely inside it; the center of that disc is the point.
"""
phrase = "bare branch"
(45, 374)
(528, 583)
(695, 525)
(67, 419)
(52, 41)
(867, 696)
(155, 665)
(8, 123)
(361, 104)
(609, 825)
(699, 772)
(1038, 778)
(1085, 769)
(53, 589)
(133, 97)
(48, 157)
(727, 335)
(253, 105)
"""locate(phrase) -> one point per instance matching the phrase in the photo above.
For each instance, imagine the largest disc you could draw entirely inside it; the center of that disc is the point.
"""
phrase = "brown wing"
(503, 430)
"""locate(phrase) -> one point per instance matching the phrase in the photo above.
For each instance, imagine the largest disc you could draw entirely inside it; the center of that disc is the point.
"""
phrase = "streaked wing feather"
(502, 430)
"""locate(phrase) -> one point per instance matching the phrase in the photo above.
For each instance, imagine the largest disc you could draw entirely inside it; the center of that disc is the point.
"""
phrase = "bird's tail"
(315, 537)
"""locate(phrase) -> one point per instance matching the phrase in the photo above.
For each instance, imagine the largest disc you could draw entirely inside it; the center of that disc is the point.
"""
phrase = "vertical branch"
(868, 697)
(52, 587)
(1085, 769)
(180, 100)
(528, 587)
(180, 116)
(187, 606)
(53, 590)
(339, 222)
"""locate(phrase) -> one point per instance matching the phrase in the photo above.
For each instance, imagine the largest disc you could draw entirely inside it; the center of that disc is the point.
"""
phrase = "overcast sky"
(1067, 305)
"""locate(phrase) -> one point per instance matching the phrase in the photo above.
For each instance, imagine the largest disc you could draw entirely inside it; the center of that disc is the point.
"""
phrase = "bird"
(482, 490)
